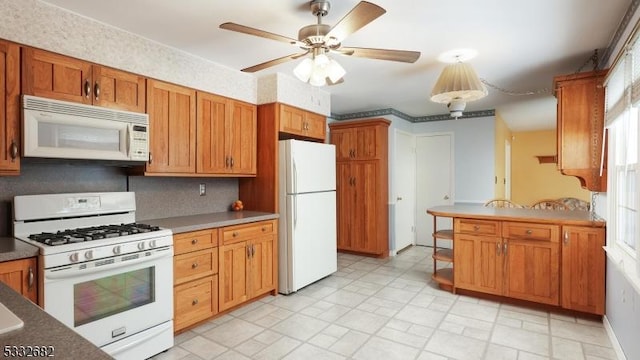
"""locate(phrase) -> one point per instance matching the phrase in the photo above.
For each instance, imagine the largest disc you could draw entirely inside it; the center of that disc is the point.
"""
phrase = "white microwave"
(60, 129)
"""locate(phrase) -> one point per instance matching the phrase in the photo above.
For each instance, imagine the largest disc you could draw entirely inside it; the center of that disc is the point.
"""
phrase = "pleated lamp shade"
(458, 81)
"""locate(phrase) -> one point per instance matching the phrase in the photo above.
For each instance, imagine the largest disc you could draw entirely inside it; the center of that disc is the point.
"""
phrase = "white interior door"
(405, 190)
(434, 182)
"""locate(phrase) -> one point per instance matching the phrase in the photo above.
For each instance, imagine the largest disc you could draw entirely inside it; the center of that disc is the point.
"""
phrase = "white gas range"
(103, 275)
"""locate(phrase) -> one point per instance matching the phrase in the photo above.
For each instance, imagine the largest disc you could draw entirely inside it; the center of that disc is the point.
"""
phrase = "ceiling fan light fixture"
(335, 71)
(458, 81)
(304, 69)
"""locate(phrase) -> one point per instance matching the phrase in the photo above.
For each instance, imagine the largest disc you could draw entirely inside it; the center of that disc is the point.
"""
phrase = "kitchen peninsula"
(543, 256)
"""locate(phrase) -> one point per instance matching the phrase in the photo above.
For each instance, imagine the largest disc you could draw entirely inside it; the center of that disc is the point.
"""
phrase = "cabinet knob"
(235, 234)
(264, 229)
(30, 282)
(194, 265)
(529, 232)
(476, 227)
(194, 241)
(13, 151)
(194, 302)
(87, 89)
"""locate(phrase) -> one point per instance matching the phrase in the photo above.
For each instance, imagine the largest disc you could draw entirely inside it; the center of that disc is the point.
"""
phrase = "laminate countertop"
(561, 217)
(42, 330)
(14, 249)
(181, 224)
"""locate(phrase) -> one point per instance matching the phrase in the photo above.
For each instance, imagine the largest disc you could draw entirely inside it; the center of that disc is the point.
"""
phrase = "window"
(622, 117)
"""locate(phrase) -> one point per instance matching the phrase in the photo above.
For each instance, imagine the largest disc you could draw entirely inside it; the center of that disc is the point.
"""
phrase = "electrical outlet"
(203, 190)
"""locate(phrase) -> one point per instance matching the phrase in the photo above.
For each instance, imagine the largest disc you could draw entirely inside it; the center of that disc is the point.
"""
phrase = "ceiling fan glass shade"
(458, 81)
(317, 71)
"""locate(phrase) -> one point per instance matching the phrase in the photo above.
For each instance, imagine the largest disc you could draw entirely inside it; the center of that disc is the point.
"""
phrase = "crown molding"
(409, 118)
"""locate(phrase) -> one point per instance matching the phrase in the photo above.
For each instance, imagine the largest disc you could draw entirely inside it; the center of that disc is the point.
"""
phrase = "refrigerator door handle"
(295, 211)
(295, 177)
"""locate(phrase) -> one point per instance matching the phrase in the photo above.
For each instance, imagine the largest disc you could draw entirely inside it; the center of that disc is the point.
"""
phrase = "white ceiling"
(521, 45)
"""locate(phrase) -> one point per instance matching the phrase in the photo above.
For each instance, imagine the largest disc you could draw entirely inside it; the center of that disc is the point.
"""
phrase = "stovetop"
(78, 235)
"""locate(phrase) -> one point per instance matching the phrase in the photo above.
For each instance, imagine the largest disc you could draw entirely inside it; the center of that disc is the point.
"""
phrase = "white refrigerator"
(307, 249)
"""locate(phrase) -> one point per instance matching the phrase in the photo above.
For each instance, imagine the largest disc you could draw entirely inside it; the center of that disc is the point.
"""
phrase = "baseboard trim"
(614, 339)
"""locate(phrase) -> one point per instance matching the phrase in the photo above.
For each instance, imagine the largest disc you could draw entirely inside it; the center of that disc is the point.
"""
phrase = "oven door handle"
(62, 272)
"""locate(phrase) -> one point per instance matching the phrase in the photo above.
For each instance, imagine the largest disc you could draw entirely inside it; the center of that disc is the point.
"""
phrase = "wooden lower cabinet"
(583, 269)
(195, 264)
(248, 262)
(517, 260)
(22, 276)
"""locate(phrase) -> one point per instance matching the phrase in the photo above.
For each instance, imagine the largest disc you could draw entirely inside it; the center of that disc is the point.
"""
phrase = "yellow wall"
(502, 134)
(532, 181)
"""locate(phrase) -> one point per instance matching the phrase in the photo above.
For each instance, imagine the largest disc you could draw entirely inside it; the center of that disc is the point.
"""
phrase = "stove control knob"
(73, 257)
(117, 250)
(141, 245)
(152, 244)
(88, 254)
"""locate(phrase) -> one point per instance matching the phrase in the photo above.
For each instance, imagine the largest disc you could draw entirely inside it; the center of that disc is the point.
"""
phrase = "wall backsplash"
(161, 197)
(156, 197)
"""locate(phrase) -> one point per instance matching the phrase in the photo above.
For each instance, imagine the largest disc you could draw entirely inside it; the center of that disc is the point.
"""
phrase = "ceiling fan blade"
(261, 33)
(362, 14)
(381, 54)
(273, 62)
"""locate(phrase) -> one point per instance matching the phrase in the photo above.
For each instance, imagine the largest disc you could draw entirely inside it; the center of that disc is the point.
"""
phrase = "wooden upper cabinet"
(60, 77)
(9, 108)
(580, 126)
(356, 143)
(301, 123)
(227, 136)
(118, 89)
(172, 128)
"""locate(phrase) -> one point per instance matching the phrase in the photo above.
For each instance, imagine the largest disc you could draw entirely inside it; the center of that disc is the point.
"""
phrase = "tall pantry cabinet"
(362, 185)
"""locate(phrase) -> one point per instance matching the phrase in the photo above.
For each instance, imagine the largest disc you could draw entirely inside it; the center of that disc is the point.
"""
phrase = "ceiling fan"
(320, 39)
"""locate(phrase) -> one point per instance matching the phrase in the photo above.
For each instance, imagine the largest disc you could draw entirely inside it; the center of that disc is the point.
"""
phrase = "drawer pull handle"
(235, 234)
(194, 241)
(31, 277)
(566, 238)
(504, 249)
(529, 232)
(194, 302)
(194, 265)
(476, 227)
(498, 249)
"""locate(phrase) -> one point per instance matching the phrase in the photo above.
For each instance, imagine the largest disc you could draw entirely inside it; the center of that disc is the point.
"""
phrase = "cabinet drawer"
(477, 227)
(195, 301)
(530, 231)
(232, 234)
(195, 265)
(193, 241)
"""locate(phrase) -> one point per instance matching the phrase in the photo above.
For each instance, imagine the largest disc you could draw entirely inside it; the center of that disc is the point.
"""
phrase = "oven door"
(110, 299)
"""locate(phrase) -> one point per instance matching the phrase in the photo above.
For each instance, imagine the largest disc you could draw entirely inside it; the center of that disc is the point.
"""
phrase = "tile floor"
(389, 309)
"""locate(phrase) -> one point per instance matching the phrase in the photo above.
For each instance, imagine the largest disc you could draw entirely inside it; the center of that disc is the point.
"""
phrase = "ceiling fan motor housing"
(320, 7)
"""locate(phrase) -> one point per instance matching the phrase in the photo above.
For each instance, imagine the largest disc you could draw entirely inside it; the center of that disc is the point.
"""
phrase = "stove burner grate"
(91, 233)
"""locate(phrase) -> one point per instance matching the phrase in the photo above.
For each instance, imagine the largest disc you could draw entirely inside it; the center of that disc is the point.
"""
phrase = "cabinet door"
(345, 199)
(365, 142)
(213, 134)
(261, 271)
(291, 120)
(233, 277)
(118, 89)
(172, 128)
(242, 138)
(583, 269)
(56, 76)
(363, 217)
(532, 270)
(315, 126)
(9, 108)
(478, 263)
(342, 139)
(21, 276)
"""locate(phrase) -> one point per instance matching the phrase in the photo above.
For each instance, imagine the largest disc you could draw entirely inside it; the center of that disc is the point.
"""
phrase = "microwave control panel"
(139, 143)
